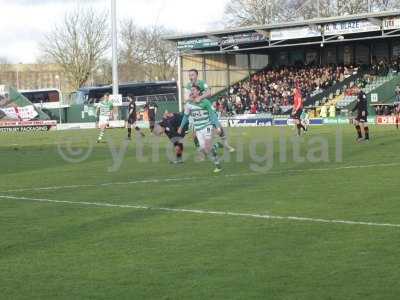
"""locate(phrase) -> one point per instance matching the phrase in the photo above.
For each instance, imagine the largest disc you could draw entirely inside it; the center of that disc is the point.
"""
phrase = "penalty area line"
(204, 212)
(178, 179)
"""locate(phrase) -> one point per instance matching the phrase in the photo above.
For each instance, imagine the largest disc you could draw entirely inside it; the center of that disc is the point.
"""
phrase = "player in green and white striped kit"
(104, 113)
(205, 93)
(305, 120)
(204, 120)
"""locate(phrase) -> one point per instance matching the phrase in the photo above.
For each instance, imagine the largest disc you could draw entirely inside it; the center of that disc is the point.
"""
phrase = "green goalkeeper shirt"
(200, 83)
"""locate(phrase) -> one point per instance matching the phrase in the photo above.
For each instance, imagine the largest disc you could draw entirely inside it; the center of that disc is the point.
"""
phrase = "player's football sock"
(214, 158)
(366, 130)
(101, 135)
(216, 146)
(179, 151)
(226, 145)
(359, 134)
(302, 127)
(196, 142)
(225, 142)
(222, 134)
(217, 165)
(298, 129)
(129, 132)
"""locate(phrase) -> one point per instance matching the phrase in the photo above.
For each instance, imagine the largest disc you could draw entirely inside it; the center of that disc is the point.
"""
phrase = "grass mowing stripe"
(168, 180)
(205, 212)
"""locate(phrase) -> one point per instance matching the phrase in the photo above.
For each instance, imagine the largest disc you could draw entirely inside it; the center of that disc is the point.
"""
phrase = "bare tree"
(103, 73)
(163, 54)
(78, 43)
(133, 52)
(260, 12)
(145, 55)
(352, 7)
(385, 5)
(252, 12)
(310, 9)
(4, 68)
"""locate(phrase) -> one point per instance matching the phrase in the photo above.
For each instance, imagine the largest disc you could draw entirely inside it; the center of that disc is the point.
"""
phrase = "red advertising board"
(386, 120)
(8, 126)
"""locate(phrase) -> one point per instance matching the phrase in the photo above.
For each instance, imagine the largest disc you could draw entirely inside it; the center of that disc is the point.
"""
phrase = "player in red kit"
(298, 110)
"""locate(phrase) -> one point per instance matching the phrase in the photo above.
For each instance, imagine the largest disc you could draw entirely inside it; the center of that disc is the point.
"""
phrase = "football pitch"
(317, 218)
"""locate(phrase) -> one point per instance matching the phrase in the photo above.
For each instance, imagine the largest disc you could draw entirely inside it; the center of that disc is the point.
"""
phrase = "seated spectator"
(270, 89)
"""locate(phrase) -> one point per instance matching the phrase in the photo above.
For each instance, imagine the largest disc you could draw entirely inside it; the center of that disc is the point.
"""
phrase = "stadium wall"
(86, 113)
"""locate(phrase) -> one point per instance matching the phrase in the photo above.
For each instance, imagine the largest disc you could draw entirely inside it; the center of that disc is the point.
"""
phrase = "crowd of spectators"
(380, 68)
(383, 66)
(385, 110)
(271, 91)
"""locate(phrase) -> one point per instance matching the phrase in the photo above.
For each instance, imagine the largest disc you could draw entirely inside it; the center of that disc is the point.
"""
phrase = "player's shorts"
(176, 139)
(362, 119)
(104, 121)
(152, 124)
(132, 120)
(205, 136)
(298, 114)
(152, 117)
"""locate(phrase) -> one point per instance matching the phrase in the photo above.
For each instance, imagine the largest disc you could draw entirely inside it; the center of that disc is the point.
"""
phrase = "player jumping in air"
(205, 93)
(151, 109)
(132, 118)
(362, 116)
(104, 113)
(200, 110)
(169, 126)
(298, 110)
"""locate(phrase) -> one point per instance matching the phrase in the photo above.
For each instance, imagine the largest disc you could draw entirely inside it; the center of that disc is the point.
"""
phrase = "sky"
(23, 23)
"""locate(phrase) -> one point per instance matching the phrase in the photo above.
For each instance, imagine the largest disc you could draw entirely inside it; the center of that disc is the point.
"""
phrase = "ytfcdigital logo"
(262, 153)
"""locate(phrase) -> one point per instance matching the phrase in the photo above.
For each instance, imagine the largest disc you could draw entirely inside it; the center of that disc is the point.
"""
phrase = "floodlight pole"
(179, 83)
(114, 48)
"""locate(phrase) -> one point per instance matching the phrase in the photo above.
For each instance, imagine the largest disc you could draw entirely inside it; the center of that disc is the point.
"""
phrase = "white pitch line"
(205, 212)
(166, 180)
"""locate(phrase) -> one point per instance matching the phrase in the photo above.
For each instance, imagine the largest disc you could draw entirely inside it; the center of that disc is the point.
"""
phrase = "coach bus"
(44, 98)
(166, 91)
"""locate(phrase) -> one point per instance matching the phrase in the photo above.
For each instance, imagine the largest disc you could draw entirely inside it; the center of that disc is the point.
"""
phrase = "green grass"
(76, 251)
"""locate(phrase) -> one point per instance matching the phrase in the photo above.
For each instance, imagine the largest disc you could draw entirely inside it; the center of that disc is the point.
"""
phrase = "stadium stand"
(271, 89)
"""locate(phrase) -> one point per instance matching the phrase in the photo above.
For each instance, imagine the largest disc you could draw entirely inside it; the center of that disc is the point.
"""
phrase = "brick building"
(34, 76)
